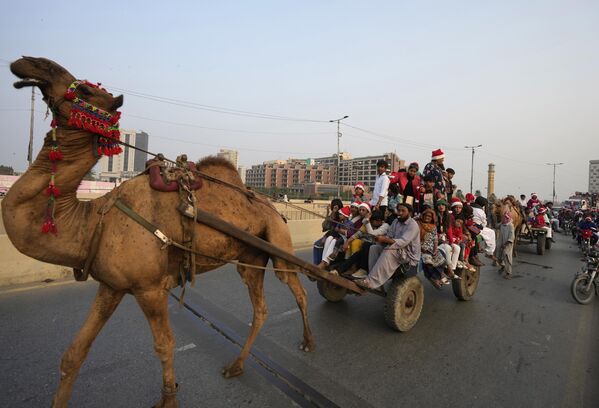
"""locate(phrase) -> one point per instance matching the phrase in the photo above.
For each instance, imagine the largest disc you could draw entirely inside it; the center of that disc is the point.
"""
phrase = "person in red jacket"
(409, 184)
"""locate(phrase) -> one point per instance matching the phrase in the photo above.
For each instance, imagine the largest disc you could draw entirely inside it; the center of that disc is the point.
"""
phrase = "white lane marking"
(185, 347)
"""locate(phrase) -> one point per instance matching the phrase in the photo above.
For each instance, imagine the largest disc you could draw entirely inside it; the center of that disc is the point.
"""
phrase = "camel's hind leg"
(295, 285)
(104, 305)
(254, 279)
(154, 304)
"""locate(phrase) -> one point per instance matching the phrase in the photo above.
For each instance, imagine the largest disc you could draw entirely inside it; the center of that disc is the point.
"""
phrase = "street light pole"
(472, 163)
(554, 166)
(30, 148)
(338, 153)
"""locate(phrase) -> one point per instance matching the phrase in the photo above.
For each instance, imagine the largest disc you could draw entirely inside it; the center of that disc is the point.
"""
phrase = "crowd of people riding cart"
(410, 219)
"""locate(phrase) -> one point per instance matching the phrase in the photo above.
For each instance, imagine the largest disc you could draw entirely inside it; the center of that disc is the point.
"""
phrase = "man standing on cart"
(400, 246)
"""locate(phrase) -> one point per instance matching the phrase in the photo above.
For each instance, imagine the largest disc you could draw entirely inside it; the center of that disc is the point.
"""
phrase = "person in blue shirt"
(587, 224)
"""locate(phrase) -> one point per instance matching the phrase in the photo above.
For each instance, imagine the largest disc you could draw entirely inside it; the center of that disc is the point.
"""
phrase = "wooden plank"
(258, 243)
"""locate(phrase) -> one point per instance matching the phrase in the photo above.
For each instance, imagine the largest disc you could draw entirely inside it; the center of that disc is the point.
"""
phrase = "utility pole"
(338, 154)
(472, 164)
(554, 166)
(30, 149)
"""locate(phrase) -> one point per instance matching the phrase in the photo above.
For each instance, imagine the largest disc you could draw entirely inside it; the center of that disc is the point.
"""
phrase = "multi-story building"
(360, 168)
(286, 174)
(241, 171)
(294, 172)
(230, 155)
(593, 176)
(130, 162)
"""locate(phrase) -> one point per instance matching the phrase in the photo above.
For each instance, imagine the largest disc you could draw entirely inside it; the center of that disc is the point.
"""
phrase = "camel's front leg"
(254, 279)
(155, 306)
(104, 305)
(308, 344)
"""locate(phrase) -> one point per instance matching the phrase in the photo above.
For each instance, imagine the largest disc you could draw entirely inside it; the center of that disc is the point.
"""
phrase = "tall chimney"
(491, 181)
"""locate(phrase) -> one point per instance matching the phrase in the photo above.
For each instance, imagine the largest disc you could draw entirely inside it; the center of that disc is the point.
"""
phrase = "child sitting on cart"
(336, 238)
(328, 227)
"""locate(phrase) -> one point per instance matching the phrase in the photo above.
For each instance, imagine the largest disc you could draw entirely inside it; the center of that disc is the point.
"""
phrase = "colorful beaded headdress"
(86, 116)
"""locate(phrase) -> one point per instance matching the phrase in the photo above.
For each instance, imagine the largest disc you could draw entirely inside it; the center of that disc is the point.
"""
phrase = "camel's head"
(53, 81)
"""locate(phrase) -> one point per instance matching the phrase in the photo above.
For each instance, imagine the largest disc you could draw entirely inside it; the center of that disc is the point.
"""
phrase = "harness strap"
(83, 274)
(168, 242)
(141, 221)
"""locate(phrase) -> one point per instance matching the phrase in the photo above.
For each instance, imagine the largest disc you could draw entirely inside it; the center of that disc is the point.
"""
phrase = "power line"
(415, 144)
(235, 147)
(225, 129)
(212, 108)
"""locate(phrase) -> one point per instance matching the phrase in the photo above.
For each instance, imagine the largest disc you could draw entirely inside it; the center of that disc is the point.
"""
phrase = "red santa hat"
(470, 198)
(345, 211)
(355, 204)
(437, 154)
(359, 184)
(455, 201)
(365, 205)
(533, 194)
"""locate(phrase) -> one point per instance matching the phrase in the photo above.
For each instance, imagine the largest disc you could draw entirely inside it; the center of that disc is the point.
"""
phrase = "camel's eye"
(85, 90)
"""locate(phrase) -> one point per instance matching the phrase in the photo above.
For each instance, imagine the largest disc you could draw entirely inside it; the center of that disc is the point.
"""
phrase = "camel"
(509, 203)
(129, 259)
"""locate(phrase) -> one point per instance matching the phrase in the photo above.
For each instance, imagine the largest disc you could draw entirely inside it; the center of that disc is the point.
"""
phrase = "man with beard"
(400, 246)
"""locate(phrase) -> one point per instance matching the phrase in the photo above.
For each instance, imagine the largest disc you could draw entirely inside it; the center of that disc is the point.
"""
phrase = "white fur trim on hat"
(364, 205)
(456, 203)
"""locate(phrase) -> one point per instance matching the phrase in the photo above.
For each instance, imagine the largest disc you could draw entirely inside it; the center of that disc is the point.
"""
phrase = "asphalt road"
(519, 343)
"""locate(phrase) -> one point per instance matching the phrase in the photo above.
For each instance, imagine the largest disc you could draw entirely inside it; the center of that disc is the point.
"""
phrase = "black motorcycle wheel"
(579, 292)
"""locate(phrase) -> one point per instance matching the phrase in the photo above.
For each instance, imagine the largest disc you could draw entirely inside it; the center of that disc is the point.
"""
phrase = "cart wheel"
(464, 288)
(330, 291)
(541, 239)
(404, 301)
(547, 243)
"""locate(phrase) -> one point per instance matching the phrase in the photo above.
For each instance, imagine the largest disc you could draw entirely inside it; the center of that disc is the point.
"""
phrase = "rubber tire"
(591, 295)
(465, 288)
(330, 291)
(548, 244)
(541, 239)
(404, 302)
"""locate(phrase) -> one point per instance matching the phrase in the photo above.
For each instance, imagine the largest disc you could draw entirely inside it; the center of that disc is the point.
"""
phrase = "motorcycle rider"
(585, 225)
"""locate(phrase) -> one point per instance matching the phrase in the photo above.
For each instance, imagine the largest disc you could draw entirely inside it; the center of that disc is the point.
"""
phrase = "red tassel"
(52, 190)
(69, 96)
(53, 123)
(49, 227)
(55, 155)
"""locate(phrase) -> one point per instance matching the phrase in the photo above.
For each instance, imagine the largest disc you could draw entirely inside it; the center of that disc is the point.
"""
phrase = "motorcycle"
(585, 285)
(588, 237)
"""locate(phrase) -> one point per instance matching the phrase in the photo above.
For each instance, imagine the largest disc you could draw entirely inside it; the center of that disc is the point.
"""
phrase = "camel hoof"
(167, 402)
(169, 399)
(307, 346)
(233, 370)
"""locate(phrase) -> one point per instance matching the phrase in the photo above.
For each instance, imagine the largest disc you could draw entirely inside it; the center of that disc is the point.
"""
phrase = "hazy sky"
(519, 77)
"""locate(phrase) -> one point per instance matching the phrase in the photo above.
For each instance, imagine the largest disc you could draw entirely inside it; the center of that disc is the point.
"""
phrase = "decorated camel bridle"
(84, 116)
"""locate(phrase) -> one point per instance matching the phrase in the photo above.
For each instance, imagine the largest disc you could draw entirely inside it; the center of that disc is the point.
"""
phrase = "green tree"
(6, 170)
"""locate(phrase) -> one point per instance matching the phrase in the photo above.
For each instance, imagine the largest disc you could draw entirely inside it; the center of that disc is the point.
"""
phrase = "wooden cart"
(404, 293)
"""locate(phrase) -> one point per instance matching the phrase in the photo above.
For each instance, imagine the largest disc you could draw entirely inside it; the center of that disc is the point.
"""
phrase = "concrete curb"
(18, 269)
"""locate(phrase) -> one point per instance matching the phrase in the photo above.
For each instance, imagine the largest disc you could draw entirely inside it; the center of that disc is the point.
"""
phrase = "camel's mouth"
(29, 82)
